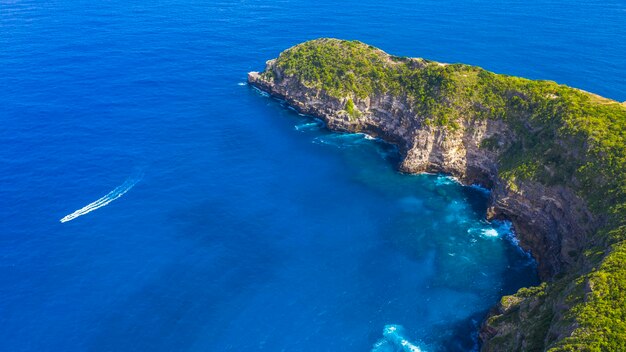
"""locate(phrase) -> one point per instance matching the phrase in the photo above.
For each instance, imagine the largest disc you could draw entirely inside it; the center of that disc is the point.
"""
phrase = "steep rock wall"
(551, 222)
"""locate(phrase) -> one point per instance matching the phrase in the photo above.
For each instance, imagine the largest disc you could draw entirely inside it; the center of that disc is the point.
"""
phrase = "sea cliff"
(553, 157)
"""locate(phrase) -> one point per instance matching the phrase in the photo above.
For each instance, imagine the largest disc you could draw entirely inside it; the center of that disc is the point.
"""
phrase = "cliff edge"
(553, 156)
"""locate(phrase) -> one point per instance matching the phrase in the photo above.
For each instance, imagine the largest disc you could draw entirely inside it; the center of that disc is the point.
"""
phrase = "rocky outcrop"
(548, 152)
(550, 222)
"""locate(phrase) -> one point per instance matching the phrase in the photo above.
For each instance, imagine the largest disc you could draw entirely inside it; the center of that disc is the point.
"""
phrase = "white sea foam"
(446, 180)
(367, 136)
(493, 229)
(241, 84)
(265, 94)
(340, 140)
(505, 229)
(481, 189)
(307, 126)
(394, 341)
(490, 233)
(111, 196)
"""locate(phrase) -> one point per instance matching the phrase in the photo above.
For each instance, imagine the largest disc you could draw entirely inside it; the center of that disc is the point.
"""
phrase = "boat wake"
(111, 196)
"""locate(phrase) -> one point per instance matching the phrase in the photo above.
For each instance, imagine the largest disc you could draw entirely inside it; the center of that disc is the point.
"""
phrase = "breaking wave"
(481, 189)
(265, 94)
(341, 140)
(494, 229)
(307, 126)
(394, 341)
(446, 180)
(111, 196)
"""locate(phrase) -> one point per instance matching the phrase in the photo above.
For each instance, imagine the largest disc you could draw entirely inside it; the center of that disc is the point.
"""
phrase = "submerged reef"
(554, 158)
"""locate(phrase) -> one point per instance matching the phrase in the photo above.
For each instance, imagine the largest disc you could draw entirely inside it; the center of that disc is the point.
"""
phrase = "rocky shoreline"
(544, 218)
(551, 155)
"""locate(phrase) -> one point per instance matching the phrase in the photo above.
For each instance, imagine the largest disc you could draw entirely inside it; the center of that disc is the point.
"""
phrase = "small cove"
(251, 228)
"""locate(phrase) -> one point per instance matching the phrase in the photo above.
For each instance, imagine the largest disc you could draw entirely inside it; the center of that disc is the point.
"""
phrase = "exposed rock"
(550, 222)
(548, 152)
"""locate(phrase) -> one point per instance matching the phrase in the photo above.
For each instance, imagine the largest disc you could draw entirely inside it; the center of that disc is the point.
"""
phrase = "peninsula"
(554, 158)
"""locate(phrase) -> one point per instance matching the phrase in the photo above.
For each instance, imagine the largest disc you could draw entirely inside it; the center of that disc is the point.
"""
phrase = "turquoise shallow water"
(204, 216)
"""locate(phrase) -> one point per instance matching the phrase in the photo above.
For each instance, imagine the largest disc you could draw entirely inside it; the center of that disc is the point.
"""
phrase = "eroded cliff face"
(548, 152)
(550, 222)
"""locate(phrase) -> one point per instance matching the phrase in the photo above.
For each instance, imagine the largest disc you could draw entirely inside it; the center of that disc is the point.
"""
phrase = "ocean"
(151, 201)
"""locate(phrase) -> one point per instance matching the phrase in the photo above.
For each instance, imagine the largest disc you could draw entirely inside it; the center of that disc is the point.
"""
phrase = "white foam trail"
(490, 232)
(394, 341)
(111, 196)
(241, 84)
(446, 180)
(265, 94)
(307, 126)
(341, 140)
(493, 229)
(368, 137)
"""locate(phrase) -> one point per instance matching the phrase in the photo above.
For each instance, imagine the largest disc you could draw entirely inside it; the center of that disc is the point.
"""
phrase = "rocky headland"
(552, 156)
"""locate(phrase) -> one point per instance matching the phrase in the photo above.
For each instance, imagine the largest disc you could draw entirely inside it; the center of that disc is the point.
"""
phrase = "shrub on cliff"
(563, 136)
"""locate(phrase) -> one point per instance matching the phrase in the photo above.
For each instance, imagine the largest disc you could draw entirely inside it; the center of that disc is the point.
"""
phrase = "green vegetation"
(555, 124)
(564, 136)
(352, 111)
(537, 291)
(351, 68)
(602, 316)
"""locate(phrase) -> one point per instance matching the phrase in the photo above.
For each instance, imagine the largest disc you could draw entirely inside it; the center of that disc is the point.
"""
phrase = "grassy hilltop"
(565, 136)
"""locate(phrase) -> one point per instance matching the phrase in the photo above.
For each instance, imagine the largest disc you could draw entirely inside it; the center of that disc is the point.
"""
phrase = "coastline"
(486, 180)
(479, 183)
(553, 175)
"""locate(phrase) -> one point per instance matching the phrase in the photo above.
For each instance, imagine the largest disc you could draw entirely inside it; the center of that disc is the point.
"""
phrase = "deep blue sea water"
(234, 224)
